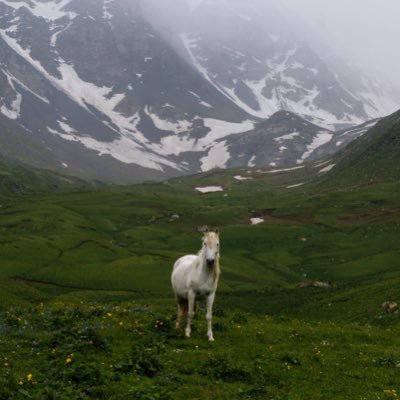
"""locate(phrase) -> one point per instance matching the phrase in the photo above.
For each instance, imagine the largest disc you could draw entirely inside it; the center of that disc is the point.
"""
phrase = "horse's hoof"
(211, 339)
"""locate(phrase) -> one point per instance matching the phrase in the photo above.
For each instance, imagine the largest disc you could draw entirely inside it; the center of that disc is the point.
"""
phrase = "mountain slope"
(117, 91)
(67, 157)
(282, 140)
(372, 157)
(264, 65)
(131, 106)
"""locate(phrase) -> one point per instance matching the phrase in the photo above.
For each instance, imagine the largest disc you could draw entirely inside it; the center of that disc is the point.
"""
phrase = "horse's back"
(180, 274)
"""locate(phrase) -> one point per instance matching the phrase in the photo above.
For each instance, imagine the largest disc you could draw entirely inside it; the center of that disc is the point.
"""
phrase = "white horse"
(194, 276)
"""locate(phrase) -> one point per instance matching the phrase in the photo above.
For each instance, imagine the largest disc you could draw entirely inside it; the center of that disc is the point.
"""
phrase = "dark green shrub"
(149, 393)
(144, 359)
(226, 370)
(87, 374)
(238, 318)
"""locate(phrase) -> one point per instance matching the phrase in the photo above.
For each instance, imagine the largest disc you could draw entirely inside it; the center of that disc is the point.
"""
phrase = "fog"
(363, 32)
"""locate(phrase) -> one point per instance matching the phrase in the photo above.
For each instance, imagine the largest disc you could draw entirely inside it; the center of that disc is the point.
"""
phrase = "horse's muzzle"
(210, 262)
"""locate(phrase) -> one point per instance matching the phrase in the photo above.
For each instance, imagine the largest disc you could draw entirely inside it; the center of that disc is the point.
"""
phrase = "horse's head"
(211, 247)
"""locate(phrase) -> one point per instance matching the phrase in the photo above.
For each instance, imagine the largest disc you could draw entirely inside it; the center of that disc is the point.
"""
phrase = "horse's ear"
(206, 230)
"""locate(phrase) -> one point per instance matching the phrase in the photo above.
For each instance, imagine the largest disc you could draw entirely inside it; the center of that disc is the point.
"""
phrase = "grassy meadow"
(87, 312)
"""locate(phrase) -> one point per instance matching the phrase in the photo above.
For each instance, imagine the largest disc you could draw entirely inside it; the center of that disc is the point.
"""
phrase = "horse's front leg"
(210, 302)
(191, 301)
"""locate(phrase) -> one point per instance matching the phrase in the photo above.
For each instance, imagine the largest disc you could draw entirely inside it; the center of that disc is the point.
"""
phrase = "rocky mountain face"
(126, 90)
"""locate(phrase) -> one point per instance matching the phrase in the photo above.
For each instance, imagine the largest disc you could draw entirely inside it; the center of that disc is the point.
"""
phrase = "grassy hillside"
(67, 158)
(86, 308)
(373, 157)
(19, 179)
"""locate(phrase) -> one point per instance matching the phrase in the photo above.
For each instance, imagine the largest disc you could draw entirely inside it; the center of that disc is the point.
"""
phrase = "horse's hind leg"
(182, 310)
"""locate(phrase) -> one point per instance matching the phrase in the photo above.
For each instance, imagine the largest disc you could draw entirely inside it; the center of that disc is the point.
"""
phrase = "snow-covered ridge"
(130, 147)
(287, 88)
(50, 10)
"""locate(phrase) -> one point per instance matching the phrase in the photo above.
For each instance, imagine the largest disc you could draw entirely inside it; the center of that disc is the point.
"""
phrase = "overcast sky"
(366, 32)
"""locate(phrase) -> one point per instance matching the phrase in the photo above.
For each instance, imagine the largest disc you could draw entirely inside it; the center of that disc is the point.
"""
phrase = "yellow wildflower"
(390, 393)
(68, 360)
(29, 377)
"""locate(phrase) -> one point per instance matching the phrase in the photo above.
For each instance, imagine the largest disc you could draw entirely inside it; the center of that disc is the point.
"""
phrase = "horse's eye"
(204, 244)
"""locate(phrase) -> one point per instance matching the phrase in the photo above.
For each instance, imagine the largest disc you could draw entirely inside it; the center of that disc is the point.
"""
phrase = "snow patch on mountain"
(251, 162)
(209, 189)
(267, 106)
(220, 129)
(13, 80)
(289, 136)
(86, 93)
(177, 144)
(274, 171)
(319, 140)
(165, 125)
(66, 128)
(13, 111)
(217, 157)
(327, 168)
(203, 103)
(123, 149)
(15, 108)
(59, 30)
(295, 185)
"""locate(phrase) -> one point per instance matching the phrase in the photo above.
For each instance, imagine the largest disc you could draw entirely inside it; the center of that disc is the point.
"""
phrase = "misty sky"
(366, 32)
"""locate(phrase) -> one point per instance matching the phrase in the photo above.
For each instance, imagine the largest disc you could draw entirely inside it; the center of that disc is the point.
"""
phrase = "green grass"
(122, 350)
